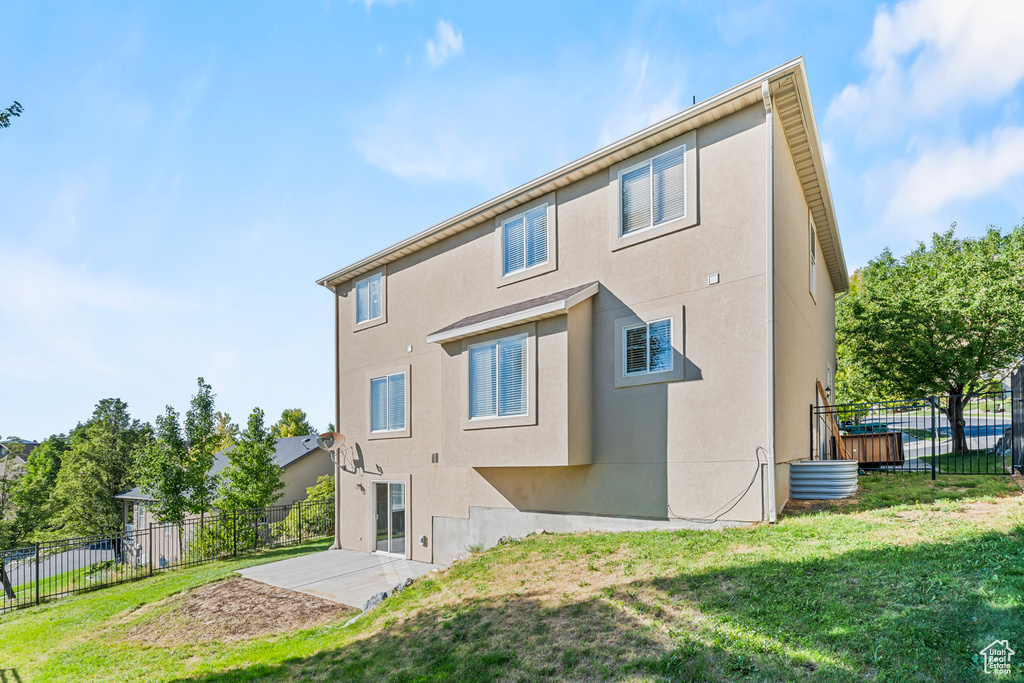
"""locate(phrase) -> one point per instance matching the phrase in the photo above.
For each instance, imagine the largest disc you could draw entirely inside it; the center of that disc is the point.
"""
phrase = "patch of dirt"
(806, 507)
(234, 609)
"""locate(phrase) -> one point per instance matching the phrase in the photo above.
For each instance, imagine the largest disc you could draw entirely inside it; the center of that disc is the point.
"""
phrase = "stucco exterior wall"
(302, 474)
(670, 450)
(805, 347)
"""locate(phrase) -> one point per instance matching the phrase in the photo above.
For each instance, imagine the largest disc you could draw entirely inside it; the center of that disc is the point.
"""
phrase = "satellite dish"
(330, 441)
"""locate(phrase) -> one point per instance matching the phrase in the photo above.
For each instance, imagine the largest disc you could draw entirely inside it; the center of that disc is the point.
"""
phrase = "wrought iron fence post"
(256, 530)
(935, 429)
(300, 521)
(37, 572)
(234, 532)
(150, 556)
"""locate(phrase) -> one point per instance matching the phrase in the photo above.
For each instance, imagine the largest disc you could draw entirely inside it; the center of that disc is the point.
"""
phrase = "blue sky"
(184, 171)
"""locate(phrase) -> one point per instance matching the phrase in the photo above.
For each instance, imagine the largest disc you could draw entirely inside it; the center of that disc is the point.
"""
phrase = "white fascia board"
(545, 183)
(519, 317)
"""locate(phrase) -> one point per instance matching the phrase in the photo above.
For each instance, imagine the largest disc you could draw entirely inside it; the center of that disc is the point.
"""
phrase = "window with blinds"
(647, 347)
(369, 299)
(525, 240)
(814, 260)
(387, 403)
(498, 379)
(653, 192)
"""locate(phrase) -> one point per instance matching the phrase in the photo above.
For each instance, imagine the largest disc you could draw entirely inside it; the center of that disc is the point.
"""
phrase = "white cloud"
(446, 44)
(651, 98)
(951, 173)
(931, 58)
(472, 132)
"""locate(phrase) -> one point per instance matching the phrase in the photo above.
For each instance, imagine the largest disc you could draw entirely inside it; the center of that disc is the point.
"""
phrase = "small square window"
(647, 347)
(498, 378)
(653, 192)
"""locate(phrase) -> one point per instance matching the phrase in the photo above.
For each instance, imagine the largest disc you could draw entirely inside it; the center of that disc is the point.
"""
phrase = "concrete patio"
(344, 576)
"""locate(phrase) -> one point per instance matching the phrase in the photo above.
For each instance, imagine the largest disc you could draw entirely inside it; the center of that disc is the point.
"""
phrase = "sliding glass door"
(389, 504)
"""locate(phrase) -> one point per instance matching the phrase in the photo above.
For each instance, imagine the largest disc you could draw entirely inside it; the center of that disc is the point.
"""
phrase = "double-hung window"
(525, 240)
(387, 403)
(498, 378)
(814, 261)
(647, 347)
(653, 192)
(369, 298)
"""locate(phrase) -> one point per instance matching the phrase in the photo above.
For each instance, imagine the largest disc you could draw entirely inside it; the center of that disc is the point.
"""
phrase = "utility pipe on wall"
(768, 513)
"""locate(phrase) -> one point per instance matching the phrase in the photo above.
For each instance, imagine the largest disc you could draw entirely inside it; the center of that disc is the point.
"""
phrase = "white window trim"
(647, 325)
(692, 197)
(501, 279)
(407, 483)
(497, 379)
(387, 401)
(388, 371)
(645, 316)
(812, 256)
(529, 330)
(504, 223)
(649, 163)
(383, 317)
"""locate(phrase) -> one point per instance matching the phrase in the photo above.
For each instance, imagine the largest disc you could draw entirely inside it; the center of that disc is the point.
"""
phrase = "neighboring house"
(302, 463)
(18, 462)
(630, 341)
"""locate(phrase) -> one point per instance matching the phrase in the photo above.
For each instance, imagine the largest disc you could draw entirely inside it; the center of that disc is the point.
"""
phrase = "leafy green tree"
(293, 422)
(10, 112)
(945, 319)
(225, 431)
(33, 496)
(100, 463)
(11, 472)
(163, 469)
(252, 477)
(199, 431)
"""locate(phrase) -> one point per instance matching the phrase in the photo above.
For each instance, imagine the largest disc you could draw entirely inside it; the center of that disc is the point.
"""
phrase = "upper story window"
(498, 378)
(814, 261)
(653, 192)
(387, 403)
(370, 298)
(647, 347)
(525, 240)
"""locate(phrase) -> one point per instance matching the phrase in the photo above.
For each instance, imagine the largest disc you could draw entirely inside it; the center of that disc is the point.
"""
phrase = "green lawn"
(907, 582)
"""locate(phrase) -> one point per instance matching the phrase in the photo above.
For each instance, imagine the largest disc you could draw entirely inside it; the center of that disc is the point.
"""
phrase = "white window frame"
(383, 373)
(529, 330)
(646, 316)
(503, 279)
(649, 163)
(625, 350)
(387, 402)
(504, 241)
(358, 324)
(813, 258)
(496, 343)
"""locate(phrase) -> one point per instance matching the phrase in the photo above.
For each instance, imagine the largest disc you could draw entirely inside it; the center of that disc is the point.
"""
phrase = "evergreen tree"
(293, 422)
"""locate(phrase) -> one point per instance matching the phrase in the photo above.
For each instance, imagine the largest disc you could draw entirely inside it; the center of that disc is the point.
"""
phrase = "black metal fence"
(54, 569)
(1017, 417)
(920, 435)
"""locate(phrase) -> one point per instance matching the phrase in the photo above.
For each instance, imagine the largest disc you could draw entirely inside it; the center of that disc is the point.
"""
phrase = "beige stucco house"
(631, 341)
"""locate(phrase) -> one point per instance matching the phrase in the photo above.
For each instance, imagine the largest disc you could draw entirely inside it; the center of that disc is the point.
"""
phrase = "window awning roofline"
(528, 311)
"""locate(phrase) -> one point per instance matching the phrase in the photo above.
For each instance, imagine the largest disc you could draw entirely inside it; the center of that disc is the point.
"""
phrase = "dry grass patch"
(225, 611)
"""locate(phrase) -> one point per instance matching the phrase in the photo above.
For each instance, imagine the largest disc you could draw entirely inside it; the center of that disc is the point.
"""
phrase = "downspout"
(768, 479)
(337, 423)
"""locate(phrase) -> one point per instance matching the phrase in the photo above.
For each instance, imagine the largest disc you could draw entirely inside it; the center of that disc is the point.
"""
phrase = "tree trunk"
(955, 414)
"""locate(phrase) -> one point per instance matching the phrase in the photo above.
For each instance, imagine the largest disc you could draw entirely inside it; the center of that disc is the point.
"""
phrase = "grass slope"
(905, 583)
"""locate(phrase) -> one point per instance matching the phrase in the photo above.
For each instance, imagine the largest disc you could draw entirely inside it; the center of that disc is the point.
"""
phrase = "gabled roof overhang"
(791, 95)
(542, 307)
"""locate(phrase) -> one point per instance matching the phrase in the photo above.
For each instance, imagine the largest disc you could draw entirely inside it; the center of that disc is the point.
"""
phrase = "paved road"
(23, 571)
